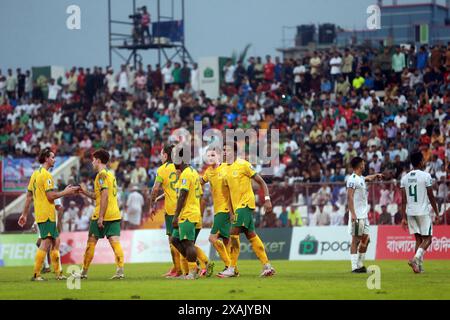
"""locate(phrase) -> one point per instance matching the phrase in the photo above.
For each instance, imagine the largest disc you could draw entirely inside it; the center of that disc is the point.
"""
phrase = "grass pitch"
(294, 280)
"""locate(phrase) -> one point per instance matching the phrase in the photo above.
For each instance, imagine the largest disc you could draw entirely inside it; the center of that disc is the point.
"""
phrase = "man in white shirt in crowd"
(134, 205)
(122, 78)
(228, 71)
(70, 216)
(81, 222)
(167, 74)
(336, 64)
(195, 78)
(53, 90)
(417, 195)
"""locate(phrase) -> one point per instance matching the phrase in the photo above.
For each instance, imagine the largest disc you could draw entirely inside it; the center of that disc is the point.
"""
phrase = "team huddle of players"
(230, 179)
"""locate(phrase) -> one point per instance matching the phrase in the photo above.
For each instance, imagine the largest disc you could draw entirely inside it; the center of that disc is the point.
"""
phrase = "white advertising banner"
(209, 76)
(153, 245)
(326, 243)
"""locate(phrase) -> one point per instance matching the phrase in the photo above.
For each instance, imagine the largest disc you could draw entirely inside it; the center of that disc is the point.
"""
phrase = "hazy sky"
(34, 33)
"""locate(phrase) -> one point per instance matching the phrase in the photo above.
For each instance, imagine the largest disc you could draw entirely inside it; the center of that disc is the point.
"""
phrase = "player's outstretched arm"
(433, 202)
(84, 191)
(69, 190)
(373, 177)
(26, 210)
(263, 185)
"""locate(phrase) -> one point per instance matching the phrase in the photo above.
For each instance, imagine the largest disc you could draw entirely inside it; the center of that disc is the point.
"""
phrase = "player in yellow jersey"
(42, 192)
(105, 221)
(166, 178)
(239, 176)
(220, 232)
(187, 215)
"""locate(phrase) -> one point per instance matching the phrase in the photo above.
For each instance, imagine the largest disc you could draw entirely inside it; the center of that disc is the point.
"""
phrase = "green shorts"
(185, 231)
(48, 229)
(169, 227)
(243, 217)
(110, 229)
(222, 224)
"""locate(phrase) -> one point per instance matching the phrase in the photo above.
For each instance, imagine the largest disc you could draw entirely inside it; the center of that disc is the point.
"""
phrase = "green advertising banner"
(17, 249)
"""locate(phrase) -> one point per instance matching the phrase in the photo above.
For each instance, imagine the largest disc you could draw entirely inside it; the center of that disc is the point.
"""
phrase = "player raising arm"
(358, 206)
(417, 194)
(41, 190)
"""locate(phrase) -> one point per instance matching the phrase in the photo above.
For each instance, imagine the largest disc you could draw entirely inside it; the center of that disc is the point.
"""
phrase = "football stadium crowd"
(329, 106)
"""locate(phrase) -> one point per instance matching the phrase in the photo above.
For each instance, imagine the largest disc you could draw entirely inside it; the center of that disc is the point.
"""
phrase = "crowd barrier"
(298, 243)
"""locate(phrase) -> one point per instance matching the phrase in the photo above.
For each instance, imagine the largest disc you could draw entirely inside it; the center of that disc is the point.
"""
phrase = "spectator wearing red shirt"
(81, 79)
(269, 69)
(373, 216)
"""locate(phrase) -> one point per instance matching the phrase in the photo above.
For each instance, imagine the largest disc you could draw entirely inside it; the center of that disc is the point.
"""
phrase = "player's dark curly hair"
(416, 158)
(102, 155)
(356, 161)
(168, 150)
(44, 154)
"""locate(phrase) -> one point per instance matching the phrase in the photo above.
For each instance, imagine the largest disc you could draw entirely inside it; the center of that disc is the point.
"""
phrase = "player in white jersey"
(417, 195)
(358, 222)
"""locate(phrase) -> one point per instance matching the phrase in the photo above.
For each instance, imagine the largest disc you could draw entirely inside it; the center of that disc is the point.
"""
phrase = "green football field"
(294, 280)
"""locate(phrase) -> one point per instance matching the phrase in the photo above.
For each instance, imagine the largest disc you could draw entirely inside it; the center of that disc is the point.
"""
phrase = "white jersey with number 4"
(358, 183)
(415, 184)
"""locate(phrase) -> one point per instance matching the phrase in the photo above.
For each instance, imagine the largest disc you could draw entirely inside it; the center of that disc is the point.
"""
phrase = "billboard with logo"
(277, 242)
(153, 245)
(396, 243)
(17, 249)
(211, 75)
(73, 245)
(326, 243)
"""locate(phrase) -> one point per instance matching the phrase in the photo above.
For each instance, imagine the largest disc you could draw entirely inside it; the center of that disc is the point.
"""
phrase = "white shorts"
(134, 216)
(360, 227)
(421, 225)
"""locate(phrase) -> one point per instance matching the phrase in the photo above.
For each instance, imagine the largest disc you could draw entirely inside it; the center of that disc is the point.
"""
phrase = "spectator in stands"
(72, 212)
(373, 216)
(336, 216)
(284, 217)
(321, 217)
(294, 217)
(385, 216)
(133, 208)
(80, 222)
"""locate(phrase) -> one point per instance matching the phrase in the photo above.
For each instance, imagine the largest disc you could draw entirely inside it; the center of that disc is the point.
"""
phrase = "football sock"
(118, 252)
(184, 265)
(192, 267)
(235, 249)
(201, 257)
(361, 258)
(222, 251)
(175, 258)
(258, 248)
(38, 261)
(46, 264)
(55, 258)
(419, 254)
(354, 259)
(88, 255)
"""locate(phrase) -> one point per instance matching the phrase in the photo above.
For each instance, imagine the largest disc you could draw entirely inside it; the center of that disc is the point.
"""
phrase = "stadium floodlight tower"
(167, 33)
